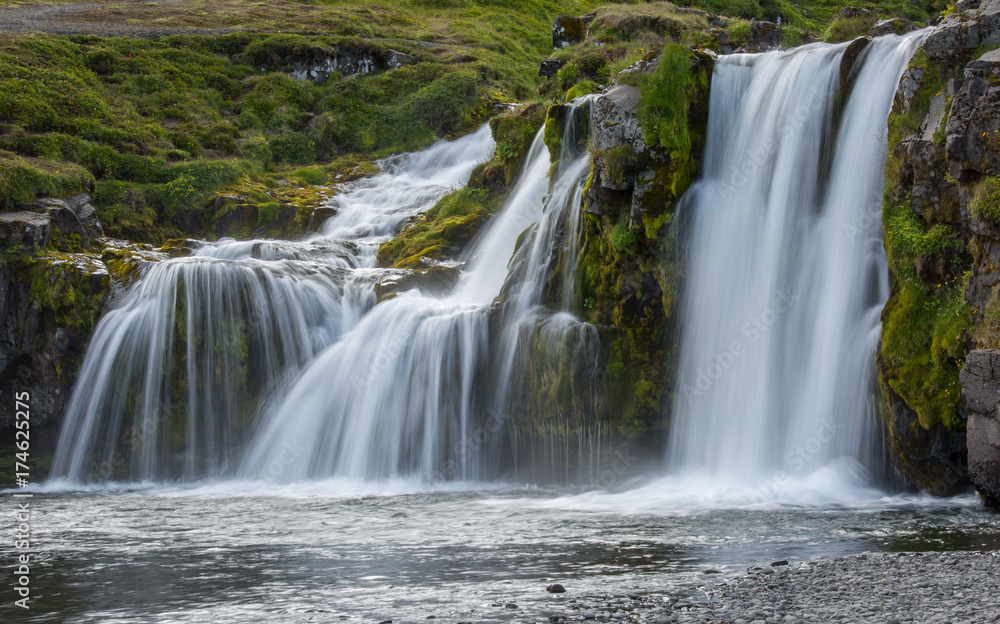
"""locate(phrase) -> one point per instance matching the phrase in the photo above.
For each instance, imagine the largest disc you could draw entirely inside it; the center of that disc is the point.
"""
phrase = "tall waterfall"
(786, 273)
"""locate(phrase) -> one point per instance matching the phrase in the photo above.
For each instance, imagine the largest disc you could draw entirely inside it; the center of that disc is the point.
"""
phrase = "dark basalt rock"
(550, 67)
(981, 390)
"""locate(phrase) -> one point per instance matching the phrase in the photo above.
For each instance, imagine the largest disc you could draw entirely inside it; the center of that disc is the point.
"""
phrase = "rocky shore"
(955, 587)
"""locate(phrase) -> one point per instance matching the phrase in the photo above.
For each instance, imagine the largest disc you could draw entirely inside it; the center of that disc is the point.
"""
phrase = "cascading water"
(404, 393)
(174, 385)
(786, 274)
(174, 375)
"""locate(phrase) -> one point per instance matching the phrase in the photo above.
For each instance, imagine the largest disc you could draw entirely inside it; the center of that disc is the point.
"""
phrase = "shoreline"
(955, 587)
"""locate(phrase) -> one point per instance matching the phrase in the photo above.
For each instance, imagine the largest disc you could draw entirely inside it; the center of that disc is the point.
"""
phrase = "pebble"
(875, 588)
(555, 588)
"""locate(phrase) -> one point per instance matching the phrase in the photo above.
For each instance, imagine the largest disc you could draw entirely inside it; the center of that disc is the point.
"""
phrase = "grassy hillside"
(157, 127)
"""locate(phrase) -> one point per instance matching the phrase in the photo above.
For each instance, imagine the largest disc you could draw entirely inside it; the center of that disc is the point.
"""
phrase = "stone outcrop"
(550, 67)
(945, 290)
(317, 63)
(974, 23)
(973, 131)
(981, 390)
(567, 30)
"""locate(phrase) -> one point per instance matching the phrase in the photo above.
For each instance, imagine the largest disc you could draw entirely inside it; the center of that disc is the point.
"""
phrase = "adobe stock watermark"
(473, 443)
(289, 453)
(752, 331)
(869, 220)
(797, 459)
(757, 158)
(379, 365)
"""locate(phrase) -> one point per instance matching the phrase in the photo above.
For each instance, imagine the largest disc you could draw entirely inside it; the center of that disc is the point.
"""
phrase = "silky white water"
(174, 374)
(785, 277)
(415, 388)
(271, 360)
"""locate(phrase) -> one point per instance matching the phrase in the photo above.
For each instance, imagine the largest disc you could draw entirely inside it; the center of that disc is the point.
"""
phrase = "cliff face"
(941, 236)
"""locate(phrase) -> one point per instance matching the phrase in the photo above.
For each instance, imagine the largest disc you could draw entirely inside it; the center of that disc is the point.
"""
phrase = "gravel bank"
(925, 588)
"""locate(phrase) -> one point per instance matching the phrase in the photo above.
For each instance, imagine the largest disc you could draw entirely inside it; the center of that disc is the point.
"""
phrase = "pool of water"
(337, 551)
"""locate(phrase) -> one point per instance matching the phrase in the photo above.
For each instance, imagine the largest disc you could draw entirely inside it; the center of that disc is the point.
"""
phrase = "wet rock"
(179, 247)
(849, 67)
(589, 616)
(775, 564)
(764, 36)
(550, 67)
(319, 216)
(555, 588)
(934, 460)
(48, 307)
(980, 379)
(430, 281)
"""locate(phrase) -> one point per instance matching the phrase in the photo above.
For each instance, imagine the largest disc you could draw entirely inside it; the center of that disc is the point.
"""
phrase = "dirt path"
(57, 19)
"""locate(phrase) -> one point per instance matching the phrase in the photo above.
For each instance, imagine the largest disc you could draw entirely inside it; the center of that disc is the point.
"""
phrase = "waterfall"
(171, 383)
(786, 272)
(415, 388)
(274, 360)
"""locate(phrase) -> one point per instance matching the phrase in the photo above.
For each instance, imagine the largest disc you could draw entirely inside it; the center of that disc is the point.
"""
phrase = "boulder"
(615, 129)
(962, 32)
(29, 230)
(396, 59)
(909, 84)
(615, 120)
(894, 26)
(319, 217)
(550, 67)
(853, 12)
(981, 390)
(83, 208)
(567, 30)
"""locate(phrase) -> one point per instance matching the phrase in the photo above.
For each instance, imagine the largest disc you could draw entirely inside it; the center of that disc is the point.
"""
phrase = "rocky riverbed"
(962, 587)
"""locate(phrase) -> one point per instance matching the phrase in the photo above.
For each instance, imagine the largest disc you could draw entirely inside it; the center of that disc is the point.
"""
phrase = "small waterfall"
(171, 384)
(786, 273)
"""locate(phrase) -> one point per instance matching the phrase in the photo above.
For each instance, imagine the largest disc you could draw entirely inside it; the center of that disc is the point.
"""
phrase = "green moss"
(584, 87)
(792, 36)
(622, 237)
(555, 121)
(847, 28)
(23, 180)
(738, 32)
(664, 99)
(924, 327)
(73, 295)
(985, 203)
(514, 133)
(442, 231)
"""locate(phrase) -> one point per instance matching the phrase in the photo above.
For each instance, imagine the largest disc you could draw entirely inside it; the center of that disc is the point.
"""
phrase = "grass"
(923, 335)
(157, 127)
